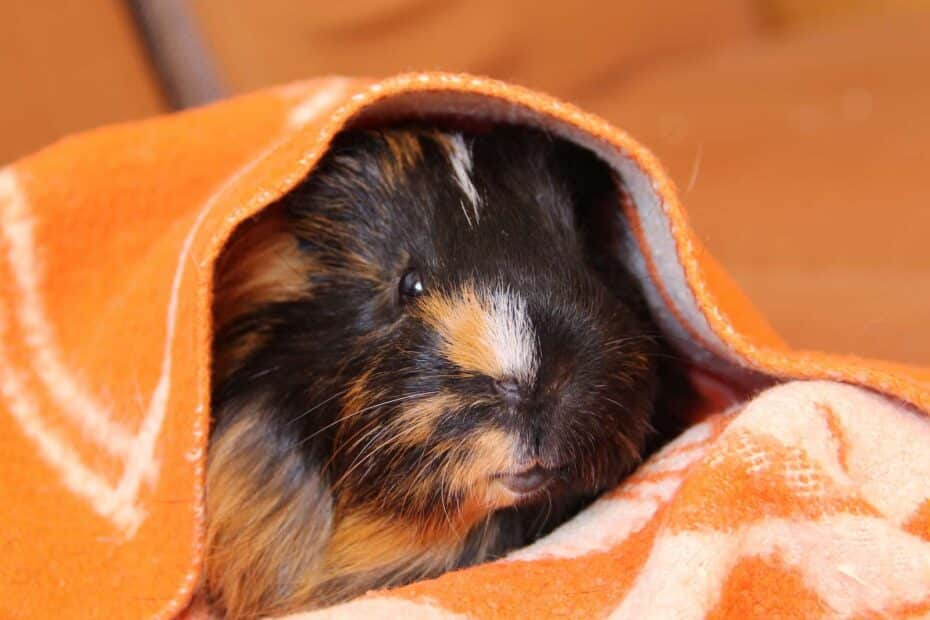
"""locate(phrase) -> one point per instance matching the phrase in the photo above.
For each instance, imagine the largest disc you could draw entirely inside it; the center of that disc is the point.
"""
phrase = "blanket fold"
(809, 499)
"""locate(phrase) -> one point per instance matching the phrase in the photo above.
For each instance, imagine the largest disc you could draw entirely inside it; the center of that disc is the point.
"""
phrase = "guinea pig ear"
(598, 195)
(590, 179)
(262, 264)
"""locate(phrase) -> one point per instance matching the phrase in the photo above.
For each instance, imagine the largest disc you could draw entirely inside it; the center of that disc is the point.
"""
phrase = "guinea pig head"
(449, 340)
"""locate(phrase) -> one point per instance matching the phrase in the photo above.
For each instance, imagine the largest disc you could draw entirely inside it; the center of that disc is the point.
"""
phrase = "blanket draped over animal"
(805, 494)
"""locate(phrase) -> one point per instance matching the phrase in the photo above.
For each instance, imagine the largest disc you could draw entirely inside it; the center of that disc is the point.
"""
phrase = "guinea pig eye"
(411, 284)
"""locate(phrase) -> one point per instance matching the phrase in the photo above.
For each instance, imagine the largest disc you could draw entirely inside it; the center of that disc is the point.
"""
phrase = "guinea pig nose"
(509, 389)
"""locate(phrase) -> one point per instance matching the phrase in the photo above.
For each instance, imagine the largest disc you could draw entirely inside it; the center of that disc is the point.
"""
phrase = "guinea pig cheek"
(414, 425)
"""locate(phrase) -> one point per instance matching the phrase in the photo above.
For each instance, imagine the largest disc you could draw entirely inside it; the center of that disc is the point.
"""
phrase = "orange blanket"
(810, 500)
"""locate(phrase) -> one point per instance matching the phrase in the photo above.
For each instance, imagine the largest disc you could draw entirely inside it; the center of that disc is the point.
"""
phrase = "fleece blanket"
(809, 497)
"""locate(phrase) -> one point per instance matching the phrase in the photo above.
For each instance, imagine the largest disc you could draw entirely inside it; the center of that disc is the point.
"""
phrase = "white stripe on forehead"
(460, 158)
(511, 336)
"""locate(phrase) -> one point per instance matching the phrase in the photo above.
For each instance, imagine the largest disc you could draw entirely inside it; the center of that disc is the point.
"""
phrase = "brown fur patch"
(275, 542)
(353, 433)
(404, 154)
(346, 262)
(364, 543)
(357, 396)
(444, 140)
(356, 399)
(416, 422)
(268, 522)
(462, 321)
(261, 264)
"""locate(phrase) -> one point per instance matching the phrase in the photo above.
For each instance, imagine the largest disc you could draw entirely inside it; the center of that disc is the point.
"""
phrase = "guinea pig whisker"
(364, 455)
(627, 443)
(318, 405)
(427, 464)
(673, 357)
(445, 511)
(446, 486)
(360, 460)
(623, 407)
(422, 469)
(617, 343)
(389, 402)
(576, 453)
(649, 426)
(541, 523)
(353, 441)
(366, 433)
(263, 372)
(361, 411)
(371, 435)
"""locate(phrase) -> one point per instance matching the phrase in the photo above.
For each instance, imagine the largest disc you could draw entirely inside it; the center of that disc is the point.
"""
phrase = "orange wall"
(68, 65)
(799, 151)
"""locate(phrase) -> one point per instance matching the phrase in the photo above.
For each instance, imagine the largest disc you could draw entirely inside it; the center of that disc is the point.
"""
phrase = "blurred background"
(798, 131)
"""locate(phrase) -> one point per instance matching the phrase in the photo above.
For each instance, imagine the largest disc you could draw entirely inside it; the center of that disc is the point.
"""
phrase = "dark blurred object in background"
(814, 113)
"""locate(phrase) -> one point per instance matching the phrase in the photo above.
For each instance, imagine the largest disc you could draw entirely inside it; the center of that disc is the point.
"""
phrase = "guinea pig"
(426, 355)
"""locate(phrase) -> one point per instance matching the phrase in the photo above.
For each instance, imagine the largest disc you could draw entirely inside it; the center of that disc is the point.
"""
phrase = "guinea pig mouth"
(527, 481)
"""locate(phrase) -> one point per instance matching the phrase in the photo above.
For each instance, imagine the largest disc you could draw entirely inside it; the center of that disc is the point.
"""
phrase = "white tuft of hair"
(512, 337)
(460, 158)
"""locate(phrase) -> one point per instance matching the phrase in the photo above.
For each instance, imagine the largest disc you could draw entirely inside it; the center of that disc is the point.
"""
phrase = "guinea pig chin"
(486, 467)
(502, 470)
